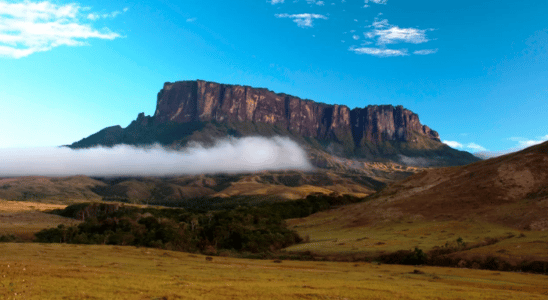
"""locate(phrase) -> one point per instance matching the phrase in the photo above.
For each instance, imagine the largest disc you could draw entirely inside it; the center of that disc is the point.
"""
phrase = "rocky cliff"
(191, 101)
(203, 111)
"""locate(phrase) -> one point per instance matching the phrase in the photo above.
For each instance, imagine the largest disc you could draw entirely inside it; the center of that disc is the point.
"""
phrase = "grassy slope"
(495, 198)
(53, 271)
(328, 237)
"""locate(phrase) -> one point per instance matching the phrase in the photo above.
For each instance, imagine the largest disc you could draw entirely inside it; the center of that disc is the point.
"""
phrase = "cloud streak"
(303, 20)
(380, 52)
(29, 27)
(471, 146)
(249, 154)
(523, 142)
(426, 52)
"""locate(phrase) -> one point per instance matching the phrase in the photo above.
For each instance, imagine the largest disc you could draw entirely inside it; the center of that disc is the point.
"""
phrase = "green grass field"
(328, 234)
(60, 271)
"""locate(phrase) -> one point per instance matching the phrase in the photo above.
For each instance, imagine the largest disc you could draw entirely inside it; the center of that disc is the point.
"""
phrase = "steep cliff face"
(203, 111)
(190, 101)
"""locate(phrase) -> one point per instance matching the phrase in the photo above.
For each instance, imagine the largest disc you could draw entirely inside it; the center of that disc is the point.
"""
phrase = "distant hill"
(282, 185)
(511, 190)
(201, 111)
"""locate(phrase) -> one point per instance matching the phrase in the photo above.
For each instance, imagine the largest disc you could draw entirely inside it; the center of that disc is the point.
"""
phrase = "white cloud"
(425, 52)
(29, 27)
(385, 34)
(396, 34)
(523, 142)
(374, 1)
(453, 144)
(475, 147)
(302, 20)
(379, 52)
(249, 154)
(276, 1)
(190, 20)
(356, 37)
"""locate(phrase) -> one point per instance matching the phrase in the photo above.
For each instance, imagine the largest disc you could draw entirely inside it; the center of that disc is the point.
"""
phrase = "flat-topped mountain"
(203, 111)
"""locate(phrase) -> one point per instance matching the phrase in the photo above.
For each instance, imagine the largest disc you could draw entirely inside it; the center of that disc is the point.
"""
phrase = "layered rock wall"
(188, 101)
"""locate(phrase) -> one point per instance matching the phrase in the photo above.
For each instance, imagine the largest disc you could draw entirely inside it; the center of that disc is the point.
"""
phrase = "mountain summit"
(203, 111)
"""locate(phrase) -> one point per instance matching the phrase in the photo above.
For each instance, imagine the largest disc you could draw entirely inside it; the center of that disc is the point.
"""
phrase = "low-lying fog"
(231, 155)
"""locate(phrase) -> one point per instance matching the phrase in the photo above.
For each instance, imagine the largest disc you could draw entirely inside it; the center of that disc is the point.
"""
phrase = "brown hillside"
(510, 190)
(49, 189)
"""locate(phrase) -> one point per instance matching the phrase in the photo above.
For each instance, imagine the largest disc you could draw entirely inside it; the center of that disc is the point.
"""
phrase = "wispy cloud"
(275, 1)
(475, 147)
(319, 3)
(303, 20)
(190, 20)
(523, 142)
(111, 15)
(249, 154)
(425, 52)
(374, 1)
(29, 27)
(453, 144)
(379, 51)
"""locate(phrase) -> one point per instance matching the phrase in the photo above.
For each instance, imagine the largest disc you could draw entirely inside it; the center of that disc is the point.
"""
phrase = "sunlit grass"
(326, 237)
(57, 271)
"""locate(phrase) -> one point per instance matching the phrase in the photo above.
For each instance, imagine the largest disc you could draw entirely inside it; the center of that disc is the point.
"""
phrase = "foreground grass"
(60, 271)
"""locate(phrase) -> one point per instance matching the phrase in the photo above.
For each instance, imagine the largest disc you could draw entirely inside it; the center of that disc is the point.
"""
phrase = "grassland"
(60, 271)
(326, 236)
(23, 219)
(472, 243)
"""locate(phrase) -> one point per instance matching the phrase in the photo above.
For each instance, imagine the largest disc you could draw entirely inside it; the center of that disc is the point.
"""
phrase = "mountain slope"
(203, 111)
(510, 190)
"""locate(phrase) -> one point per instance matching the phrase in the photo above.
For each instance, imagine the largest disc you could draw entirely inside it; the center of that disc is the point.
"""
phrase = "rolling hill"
(510, 190)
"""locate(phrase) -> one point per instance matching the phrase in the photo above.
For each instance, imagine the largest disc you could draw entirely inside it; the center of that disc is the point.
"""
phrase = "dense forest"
(258, 228)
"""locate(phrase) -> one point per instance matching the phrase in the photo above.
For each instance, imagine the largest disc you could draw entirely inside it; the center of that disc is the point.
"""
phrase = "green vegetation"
(255, 229)
(241, 229)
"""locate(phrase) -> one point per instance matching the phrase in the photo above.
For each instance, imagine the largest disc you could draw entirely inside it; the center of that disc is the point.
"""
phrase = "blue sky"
(475, 71)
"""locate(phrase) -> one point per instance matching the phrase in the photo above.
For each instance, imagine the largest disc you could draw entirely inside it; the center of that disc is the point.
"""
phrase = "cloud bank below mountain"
(250, 154)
